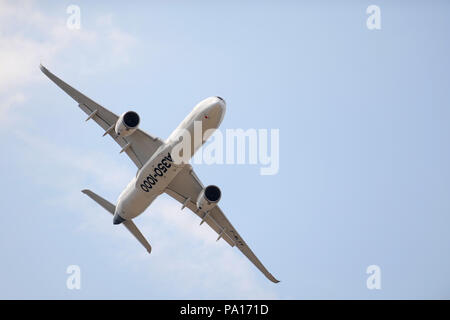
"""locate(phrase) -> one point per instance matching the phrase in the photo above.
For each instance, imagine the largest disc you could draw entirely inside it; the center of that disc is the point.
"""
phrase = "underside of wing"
(139, 146)
(185, 188)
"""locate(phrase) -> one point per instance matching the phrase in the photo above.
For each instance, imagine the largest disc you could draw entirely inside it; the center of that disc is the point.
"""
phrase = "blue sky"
(364, 171)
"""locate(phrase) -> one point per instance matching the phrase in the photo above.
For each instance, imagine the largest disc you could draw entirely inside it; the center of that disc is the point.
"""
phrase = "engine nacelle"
(127, 123)
(208, 198)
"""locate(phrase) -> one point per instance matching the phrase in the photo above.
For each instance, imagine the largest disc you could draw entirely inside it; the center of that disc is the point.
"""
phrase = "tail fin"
(128, 223)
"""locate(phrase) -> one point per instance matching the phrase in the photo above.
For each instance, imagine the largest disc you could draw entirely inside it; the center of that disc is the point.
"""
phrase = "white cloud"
(14, 99)
(30, 36)
(81, 163)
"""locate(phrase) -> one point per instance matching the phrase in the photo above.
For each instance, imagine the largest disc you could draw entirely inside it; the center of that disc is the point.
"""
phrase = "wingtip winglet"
(272, 278)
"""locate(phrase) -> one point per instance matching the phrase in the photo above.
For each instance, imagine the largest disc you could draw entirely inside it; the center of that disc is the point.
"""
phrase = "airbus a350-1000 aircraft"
(158, 172)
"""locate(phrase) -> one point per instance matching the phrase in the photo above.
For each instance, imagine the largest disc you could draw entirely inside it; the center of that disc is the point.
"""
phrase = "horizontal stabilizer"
(128, 223)
(137, 234)
(108, 206)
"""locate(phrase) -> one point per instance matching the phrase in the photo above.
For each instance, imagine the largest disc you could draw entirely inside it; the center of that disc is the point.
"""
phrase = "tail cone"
(118, 219)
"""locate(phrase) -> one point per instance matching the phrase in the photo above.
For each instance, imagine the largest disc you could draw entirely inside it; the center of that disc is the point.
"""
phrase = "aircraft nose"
(220, 105)
(218, 109)
(221, 99)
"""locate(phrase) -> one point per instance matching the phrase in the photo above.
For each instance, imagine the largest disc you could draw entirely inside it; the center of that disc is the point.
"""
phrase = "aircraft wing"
(139, 146)
(185, 188)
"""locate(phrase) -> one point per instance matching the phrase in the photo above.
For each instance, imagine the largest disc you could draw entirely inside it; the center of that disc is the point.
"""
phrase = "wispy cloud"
(13, 99)
(29, 36)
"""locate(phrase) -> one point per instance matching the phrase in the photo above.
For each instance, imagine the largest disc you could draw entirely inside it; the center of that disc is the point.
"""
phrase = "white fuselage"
(153, 178)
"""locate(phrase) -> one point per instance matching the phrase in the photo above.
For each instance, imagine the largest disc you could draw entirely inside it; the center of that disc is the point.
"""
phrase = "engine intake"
(131, 119)
(212, 193)
(127, 123)
(208, 198)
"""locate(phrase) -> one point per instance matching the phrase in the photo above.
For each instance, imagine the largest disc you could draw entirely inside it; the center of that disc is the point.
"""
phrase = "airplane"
(158, 172)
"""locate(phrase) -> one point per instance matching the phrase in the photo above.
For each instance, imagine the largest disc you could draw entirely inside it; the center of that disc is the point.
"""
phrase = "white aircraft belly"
(151, 181)
(134, 204)
(160, 170)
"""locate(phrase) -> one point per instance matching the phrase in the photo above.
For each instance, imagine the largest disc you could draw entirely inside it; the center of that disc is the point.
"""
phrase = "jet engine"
(127, 123)
(208, 198)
